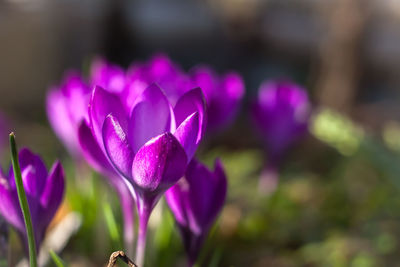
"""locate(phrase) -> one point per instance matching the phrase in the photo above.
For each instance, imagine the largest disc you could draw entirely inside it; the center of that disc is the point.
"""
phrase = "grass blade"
(111, 224)
(56, 259)
(23, 202)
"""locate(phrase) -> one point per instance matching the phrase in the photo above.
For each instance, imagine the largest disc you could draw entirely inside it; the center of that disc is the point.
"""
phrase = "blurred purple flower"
(150, 145)
(67, 106)
(161, 70)
(223, 94)
(195, 202)
(107, 75)
(281, 114)
(44, 193)
(67, 109)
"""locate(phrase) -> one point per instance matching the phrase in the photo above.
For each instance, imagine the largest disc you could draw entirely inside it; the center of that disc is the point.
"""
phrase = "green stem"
(23, 202)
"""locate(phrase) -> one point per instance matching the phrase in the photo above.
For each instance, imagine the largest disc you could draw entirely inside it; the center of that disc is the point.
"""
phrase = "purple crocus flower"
(107, 75)
(223, 94)
(195, 202)
(150, 145)
(161, 70)
(67, 109)
(281, 115)
(67, 106)
(44, 193)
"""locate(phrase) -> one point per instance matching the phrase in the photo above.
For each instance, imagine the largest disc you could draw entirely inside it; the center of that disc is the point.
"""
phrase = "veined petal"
(159, 164)
(187, 134)
(192, 101)
(150, 117)
(102, 104)
(117, 146)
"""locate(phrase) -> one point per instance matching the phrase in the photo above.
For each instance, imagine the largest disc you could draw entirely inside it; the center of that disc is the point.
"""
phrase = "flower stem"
(268, 180)
(144, 215)
(23, 202)
(127, 216)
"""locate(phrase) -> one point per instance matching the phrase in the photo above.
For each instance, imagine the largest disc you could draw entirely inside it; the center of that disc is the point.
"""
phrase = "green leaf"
(57, 260)
(23, 202)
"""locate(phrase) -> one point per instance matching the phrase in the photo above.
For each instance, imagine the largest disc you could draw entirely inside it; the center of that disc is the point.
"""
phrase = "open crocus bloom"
(281, 114)
(44, 193)
(151, 144)
(195, 202)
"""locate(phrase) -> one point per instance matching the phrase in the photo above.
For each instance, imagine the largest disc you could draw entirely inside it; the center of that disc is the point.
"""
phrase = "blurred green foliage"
(337, 204)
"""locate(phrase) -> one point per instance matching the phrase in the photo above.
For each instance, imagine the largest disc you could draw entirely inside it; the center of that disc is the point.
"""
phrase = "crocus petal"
(187, 134)
(225, 101)
(207, 194)
(50, 200)
(117, 146)
(200, 181)
(33, 171)
(101, 104)
(281, 114)
(176, 198)
(233, 86)
(60, 120)
(91, 149)
(205, 78)
(107, 75)
(150, 117)
(160, 163)
(192, 101)
(54, 190)
(221, 186)
(9, 205)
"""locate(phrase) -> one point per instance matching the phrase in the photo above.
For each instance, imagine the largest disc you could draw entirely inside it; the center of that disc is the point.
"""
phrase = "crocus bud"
(44, 193)
(223, 95)
(281, 114)
(195, 201)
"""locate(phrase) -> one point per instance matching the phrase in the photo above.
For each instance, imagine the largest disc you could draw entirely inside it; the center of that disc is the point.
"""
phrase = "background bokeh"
(338, 201)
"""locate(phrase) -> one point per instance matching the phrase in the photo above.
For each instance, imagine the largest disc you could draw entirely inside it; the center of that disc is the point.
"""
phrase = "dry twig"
(120, 254)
